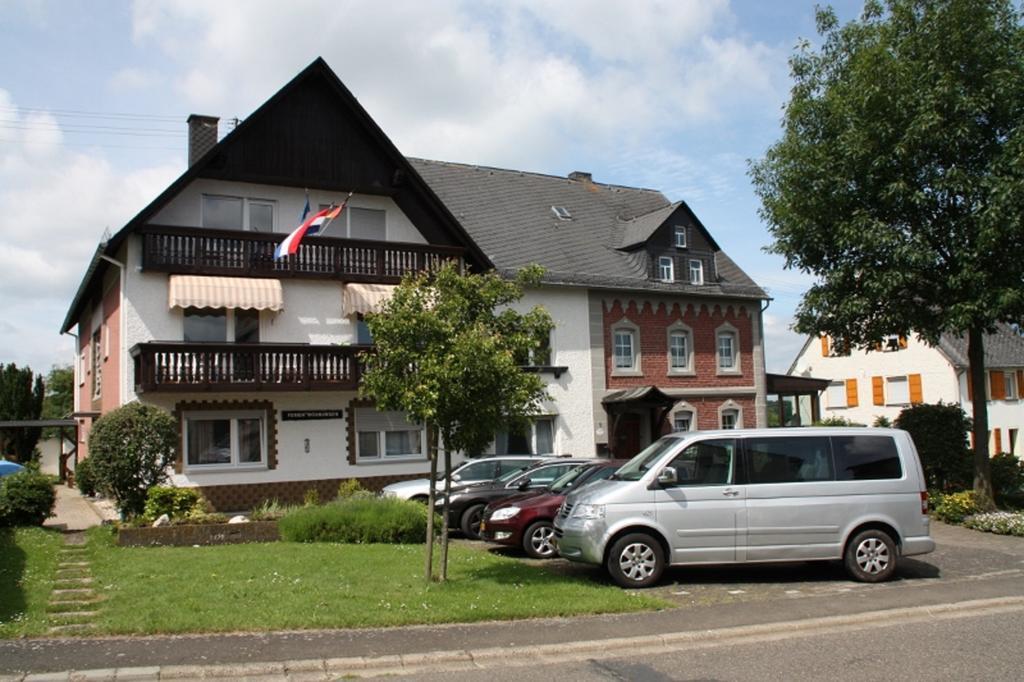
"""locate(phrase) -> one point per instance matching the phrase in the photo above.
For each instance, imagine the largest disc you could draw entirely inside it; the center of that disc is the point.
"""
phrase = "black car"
(466, 506)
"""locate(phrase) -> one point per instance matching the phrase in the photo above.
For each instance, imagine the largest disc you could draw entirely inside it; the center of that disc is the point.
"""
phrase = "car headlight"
(388, 493)
(588, 511)
(504, 513)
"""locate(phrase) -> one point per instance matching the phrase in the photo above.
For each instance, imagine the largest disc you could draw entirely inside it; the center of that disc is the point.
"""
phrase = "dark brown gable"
(697, 237)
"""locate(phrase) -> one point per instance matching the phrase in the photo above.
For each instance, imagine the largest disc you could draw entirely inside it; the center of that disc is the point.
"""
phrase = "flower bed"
(1000, 523)
(205, 534)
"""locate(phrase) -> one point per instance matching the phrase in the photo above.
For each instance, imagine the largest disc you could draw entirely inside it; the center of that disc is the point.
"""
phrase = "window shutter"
(851, 393)
(1020, 383)
(997, 441)
(903, 342)
(824, 346)
(877, 391)
(915, 389)
(998, 386)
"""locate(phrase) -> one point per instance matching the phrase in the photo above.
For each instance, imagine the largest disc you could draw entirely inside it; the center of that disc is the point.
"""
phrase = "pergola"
(797, 398)
(63, 426)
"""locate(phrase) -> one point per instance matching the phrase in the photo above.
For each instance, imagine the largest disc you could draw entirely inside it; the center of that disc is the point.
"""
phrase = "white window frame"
(229, 314)
(346, 218)
(382, 455)
(698, 271)
(730, 407)
(1011, 391)
(835, 395)
(666, 268)
(894, 395)
(247, 213)
(678, 328)
(246, 201)
(679, 236)
(727, 330)
(96, 352)
(687, 409)
(532, 437)
(624, 326)
(221, 415)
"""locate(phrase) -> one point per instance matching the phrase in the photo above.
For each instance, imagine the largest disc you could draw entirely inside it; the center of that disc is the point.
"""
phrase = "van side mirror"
(667, 477)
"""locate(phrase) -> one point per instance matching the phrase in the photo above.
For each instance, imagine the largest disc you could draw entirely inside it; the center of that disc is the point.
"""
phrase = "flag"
(305, 211)
(334, 213)
(291, 243)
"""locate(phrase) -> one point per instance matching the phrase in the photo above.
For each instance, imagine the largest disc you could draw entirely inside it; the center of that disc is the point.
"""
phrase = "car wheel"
(422, 499)
(471, 521)
(636, 560)
(871, 556)
(538, 540)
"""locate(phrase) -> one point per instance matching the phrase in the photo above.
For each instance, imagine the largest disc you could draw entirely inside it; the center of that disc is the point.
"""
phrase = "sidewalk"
(72, 512)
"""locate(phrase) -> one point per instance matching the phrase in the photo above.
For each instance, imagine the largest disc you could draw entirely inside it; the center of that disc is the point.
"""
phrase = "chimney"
(202, 136)
(580, 176)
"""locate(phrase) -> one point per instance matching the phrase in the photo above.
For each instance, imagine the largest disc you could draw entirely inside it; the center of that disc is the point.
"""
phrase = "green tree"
(899, 178)
(59, 396)
(448, 352)
(21, 398)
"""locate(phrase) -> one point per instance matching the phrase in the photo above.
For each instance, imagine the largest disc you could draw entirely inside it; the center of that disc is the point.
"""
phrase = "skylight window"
(561, 212)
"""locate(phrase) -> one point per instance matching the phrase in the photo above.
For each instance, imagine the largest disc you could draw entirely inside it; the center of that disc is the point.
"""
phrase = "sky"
(676, 96)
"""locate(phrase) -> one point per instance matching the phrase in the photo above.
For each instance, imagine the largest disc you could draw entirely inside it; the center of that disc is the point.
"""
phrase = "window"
(865, 458)
(225, 439)
(730, 418)
(679, 236)
(682, 421)
(1011, 390)
(536, 439)
(624, 349)
(709, 462)
(666, 269)
(727, 360)
(561, 212)
(836, 394)
(97, 364)
(218, 325)
(237, 213)
(363, 335)
(477, 471)
(367, 223)
(386, 435)
(678, 351)
(1011, 444)
(541, 477)
(897, 391)
(892, 343)
(696, 272)
(790, 459)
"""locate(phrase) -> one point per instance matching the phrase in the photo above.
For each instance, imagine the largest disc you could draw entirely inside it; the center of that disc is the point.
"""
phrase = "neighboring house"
(185, 308)
(902, 371)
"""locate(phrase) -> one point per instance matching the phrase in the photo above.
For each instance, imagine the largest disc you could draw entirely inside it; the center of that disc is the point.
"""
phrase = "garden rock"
(238, 519)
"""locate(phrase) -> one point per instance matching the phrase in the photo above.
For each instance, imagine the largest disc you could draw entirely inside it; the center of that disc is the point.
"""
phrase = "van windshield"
(635, 468)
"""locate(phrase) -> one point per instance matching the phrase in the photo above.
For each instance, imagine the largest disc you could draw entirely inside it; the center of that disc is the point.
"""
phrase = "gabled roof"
(638, 230)
(329, 90)
(1003, 349)
(508, 213)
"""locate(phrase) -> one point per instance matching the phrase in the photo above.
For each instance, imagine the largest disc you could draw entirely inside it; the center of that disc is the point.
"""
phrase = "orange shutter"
(824, 346)
(877, 391)
(903, 342)
(998, 386)
(1020, 383)
(997, 442)
(915, 389)
(851, 393)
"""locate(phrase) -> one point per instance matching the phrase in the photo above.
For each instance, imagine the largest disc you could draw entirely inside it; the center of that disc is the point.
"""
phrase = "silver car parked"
(761, 495)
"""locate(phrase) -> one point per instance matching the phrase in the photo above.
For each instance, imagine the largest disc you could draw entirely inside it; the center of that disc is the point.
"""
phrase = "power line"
(71, 113)
(91, 144)
(87, 130)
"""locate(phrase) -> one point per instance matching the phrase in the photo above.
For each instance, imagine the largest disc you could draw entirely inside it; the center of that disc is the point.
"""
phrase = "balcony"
(179, 366)
(201, 251)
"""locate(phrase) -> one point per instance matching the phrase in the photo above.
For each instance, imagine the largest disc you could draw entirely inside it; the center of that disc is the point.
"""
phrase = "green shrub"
(268, 510)
(357, 520)
(1007, 476)
(175, 502)
(940, 435)
(953, 507)
(85, 477)
(131, 448)
(349, 488)
(311, 498)
(1000, 523)
(835, 421)
(26, 498)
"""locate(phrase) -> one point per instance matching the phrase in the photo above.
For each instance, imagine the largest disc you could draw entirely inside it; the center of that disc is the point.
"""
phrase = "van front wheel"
(871, 556)
(636, 560)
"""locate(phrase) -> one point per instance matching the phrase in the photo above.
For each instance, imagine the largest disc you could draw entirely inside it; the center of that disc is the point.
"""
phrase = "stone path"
(74, 603)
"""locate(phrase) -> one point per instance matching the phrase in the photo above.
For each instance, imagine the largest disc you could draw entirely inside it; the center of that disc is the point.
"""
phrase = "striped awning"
(366, 298)
(194, 291)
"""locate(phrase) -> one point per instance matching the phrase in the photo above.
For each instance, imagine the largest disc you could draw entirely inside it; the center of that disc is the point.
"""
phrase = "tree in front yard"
(21, 398)
(130, 449)
(449, 350)
(899, 179)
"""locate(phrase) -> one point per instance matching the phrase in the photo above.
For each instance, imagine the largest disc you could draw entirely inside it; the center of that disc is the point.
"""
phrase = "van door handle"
(730, 493)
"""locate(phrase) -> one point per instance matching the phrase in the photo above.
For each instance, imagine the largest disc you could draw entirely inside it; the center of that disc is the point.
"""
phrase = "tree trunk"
(979, 409)
(447, 501)
(428, 573)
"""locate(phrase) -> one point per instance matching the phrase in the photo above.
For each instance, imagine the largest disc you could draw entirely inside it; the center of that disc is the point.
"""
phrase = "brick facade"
(246, 496)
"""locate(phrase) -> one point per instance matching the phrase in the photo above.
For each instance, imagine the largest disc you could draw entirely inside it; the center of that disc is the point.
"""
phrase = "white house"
(902, 371)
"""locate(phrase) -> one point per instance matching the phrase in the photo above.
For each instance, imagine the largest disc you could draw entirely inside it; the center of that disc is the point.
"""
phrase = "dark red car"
(526, 520)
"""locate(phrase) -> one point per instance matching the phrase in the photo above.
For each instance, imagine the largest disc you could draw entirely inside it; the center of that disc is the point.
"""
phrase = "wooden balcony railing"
(201, 251)
(182, 366)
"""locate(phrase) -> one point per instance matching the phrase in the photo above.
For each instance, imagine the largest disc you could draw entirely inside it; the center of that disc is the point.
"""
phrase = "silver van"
(759, 495)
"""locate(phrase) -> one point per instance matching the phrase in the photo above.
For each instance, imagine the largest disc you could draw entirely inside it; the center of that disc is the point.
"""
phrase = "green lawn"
(286, 585)
(28, 562)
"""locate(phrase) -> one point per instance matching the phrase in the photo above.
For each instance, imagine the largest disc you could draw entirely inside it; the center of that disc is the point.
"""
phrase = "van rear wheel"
(871, 556)
(636, 560)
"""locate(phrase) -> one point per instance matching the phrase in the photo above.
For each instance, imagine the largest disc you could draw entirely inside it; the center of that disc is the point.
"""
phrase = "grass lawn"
(28, 562)
(292, 586)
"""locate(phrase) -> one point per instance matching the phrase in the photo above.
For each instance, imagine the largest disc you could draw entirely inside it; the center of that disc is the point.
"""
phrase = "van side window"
(789, 459)
(866, 458)
(709, 462)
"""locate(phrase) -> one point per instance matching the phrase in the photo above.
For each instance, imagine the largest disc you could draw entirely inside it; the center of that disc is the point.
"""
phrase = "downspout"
(121, 350)
(76, 363)
(761, 378)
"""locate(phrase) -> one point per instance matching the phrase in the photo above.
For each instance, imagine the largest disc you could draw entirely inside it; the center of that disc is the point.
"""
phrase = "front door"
(705, 512)
(627, 435)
